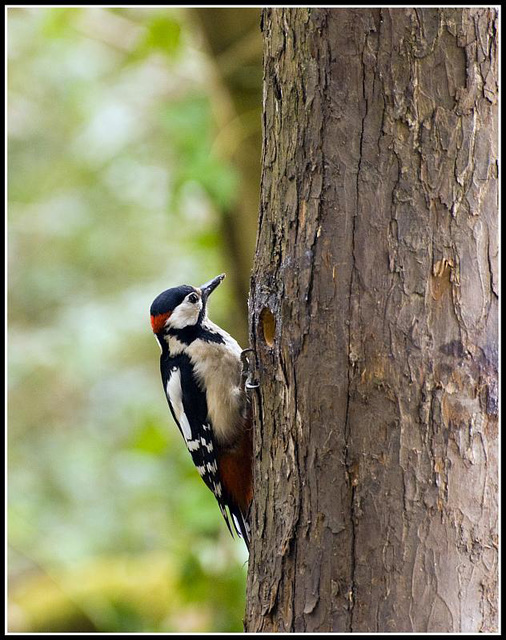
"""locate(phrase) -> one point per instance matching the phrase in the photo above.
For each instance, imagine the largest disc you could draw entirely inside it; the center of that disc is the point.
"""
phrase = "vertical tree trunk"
(373, 308)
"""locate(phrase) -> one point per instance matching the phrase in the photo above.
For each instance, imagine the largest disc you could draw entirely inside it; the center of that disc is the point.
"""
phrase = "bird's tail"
(241, 524)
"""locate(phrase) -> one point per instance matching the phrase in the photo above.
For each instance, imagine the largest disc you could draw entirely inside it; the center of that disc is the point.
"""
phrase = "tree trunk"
(373, 315)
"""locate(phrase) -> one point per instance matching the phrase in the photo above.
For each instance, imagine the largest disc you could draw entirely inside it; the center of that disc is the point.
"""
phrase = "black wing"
(188, 406)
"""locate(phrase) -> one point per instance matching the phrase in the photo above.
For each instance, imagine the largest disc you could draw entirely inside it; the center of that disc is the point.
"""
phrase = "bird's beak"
(210, 286)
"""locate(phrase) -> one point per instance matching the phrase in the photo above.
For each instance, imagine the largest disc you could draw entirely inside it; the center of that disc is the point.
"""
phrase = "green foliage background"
(114, 194)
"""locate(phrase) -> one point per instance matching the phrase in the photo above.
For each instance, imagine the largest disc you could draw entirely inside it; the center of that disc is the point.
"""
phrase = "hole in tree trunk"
(268, 326)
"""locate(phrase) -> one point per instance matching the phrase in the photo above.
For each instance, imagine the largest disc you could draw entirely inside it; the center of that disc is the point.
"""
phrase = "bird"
(202, 376)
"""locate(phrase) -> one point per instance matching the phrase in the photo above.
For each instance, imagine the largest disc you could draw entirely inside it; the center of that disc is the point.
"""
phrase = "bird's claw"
(247, 370)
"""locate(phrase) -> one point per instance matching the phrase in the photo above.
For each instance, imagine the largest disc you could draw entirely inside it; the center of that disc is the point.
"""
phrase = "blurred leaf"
(221, 182)
(189, 124)
(111, 594)
(163, 35)
(151, 438)
(58, 22)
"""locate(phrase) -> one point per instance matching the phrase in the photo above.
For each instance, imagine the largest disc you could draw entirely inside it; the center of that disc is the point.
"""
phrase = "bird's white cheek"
(184, 316)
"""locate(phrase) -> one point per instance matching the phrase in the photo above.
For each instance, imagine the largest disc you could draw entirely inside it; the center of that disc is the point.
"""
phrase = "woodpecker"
(202, 378)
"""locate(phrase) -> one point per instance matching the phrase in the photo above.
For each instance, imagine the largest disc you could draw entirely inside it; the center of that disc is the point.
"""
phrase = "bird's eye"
(193, 297)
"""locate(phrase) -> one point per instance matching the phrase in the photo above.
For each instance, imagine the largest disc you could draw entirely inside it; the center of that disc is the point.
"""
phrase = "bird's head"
(182, 306)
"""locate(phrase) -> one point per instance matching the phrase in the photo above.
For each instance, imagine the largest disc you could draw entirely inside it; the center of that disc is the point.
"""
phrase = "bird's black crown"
(168, 300)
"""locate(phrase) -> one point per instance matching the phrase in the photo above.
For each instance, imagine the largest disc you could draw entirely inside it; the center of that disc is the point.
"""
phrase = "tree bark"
(373, 315)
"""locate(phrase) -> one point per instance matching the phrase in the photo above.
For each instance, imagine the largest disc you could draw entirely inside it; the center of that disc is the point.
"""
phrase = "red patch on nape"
(158, 322)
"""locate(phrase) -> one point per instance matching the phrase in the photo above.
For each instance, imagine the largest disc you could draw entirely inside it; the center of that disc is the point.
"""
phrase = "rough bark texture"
(375, 447)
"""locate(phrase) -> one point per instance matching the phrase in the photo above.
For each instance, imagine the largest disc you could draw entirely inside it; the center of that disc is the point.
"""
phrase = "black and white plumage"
(201, 374)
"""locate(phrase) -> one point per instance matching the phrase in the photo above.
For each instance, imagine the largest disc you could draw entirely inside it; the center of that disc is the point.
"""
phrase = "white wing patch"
(201, 447)
(176, 400)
